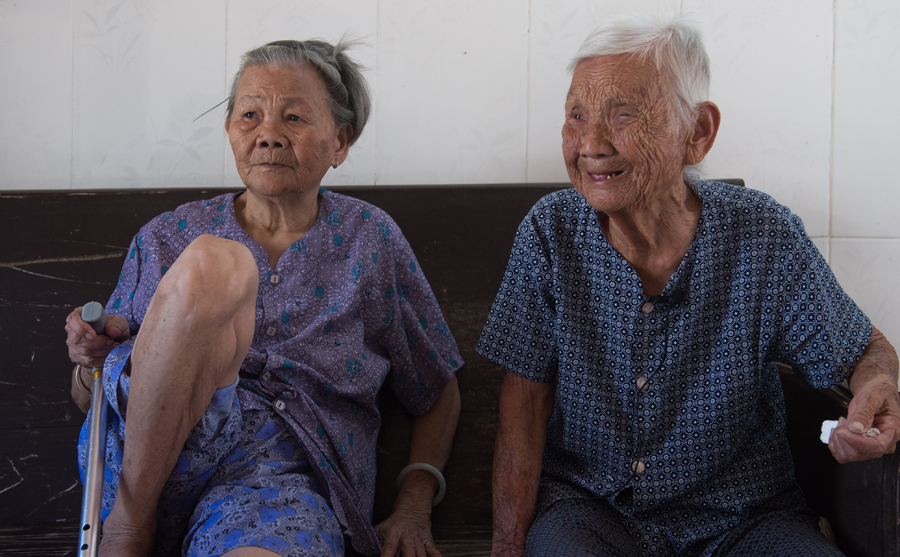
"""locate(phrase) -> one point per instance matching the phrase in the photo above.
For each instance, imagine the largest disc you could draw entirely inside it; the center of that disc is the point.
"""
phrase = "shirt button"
(638, 467)
(271, 331)
(643, 383)
(265, 376)
(279, 404)
(647, 307)
(274, 279)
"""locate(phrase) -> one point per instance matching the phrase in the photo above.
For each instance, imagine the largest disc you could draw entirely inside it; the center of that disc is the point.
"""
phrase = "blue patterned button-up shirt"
(674, 396)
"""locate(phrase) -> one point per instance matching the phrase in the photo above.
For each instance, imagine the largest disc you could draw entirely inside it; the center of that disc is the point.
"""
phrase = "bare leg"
(195, 336)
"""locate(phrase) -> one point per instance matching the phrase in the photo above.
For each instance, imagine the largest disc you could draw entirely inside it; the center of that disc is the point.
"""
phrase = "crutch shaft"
(92, 500)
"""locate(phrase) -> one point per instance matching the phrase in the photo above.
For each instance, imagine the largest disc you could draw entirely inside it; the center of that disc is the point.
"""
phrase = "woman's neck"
(653, 237)
(276, 222)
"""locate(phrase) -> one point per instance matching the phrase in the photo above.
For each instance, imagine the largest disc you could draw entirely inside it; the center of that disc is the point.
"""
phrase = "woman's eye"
(249, 115)
(294, 118)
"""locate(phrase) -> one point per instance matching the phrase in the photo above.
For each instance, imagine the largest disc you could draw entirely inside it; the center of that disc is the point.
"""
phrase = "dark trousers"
(782, 527)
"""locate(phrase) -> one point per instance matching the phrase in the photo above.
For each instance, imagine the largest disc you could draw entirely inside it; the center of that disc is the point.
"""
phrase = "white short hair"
(674, 45)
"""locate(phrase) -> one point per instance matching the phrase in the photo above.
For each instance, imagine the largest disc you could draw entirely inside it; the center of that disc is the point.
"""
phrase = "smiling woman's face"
(282, 132)
(621, 142)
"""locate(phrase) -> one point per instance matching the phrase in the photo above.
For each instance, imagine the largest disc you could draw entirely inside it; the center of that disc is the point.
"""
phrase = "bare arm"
(525, 409)
(875, 404)
(408, 529)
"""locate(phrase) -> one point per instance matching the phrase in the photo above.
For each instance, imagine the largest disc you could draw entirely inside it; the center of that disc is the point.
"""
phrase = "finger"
(99, 343)
(409, 545)
(117, 328)
(875, 400)
(431, 550)
(389, 548)
(76, 311)
(89, 352)
(889, 426)
(848, 446)
(88, 359)
(862, 410)
(76, 325)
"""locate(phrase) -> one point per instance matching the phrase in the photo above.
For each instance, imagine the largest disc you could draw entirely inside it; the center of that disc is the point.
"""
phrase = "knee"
(211, 278)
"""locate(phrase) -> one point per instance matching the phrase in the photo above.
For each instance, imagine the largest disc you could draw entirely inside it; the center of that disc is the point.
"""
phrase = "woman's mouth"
(604, 177)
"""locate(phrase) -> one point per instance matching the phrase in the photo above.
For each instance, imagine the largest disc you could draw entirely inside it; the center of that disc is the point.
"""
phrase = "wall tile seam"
(527, 86)
(373, 117)
(72, 105)
(861, 238)
(225, 144)
(834, 10)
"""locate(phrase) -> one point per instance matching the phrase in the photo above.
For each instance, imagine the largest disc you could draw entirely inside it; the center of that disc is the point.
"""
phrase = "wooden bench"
(62, 248)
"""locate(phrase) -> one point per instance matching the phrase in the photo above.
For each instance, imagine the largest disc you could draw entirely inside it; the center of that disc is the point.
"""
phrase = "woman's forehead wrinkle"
(275, 99)
(598, 96)
(630, 79)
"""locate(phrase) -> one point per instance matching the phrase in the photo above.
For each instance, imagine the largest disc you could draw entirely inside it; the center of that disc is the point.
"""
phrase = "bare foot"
(123, 538)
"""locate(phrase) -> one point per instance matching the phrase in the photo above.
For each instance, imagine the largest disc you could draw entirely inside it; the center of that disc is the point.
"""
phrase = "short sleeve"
(423, 353)
(122, 300)
(519, 333)
(821, 332)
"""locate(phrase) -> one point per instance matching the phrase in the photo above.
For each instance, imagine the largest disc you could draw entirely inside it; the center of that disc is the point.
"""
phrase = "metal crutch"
(92, 500)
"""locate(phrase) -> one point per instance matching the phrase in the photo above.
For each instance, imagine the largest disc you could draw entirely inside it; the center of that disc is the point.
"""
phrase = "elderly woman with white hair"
(249, 336)
(640, 319)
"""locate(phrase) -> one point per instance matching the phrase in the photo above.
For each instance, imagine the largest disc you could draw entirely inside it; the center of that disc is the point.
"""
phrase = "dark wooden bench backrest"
(61, 249)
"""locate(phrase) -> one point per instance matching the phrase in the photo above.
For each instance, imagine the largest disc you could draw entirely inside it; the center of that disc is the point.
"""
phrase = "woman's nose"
(271, 135)
(596, 142)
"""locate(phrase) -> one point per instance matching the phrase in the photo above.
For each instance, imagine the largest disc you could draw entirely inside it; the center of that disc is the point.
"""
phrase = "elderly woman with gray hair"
(640, 319)
(249, 336)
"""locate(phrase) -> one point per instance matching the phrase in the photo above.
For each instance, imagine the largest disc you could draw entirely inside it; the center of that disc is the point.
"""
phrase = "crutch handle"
(92, 501)
(92, 314)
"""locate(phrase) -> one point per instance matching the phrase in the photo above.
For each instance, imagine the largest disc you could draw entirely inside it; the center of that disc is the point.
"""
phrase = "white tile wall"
(866, 119)
(868, 270)
(143, 71)
(771, 77)
(103, 93)
(36, 95)
(824, 246)
(452, 84)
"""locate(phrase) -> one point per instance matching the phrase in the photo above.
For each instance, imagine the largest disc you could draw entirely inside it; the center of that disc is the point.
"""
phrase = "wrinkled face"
(281, 130)
(621, 140)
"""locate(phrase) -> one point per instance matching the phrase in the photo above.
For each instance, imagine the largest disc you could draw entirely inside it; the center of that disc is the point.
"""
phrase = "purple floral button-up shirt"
(346, 310)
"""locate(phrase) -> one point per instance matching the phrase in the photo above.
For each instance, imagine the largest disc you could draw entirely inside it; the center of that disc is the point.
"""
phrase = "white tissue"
(827, 427)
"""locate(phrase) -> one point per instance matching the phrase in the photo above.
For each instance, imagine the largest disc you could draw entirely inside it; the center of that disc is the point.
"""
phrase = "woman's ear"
(706, 126)
(344, 134)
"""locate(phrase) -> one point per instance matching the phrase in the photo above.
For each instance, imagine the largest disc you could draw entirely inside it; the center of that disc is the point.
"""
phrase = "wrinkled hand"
(407, 533)
(876, 405)
(87, 347)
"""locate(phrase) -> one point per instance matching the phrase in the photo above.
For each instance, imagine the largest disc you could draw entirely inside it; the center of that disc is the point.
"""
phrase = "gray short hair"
(674, 45)
(348, 91)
